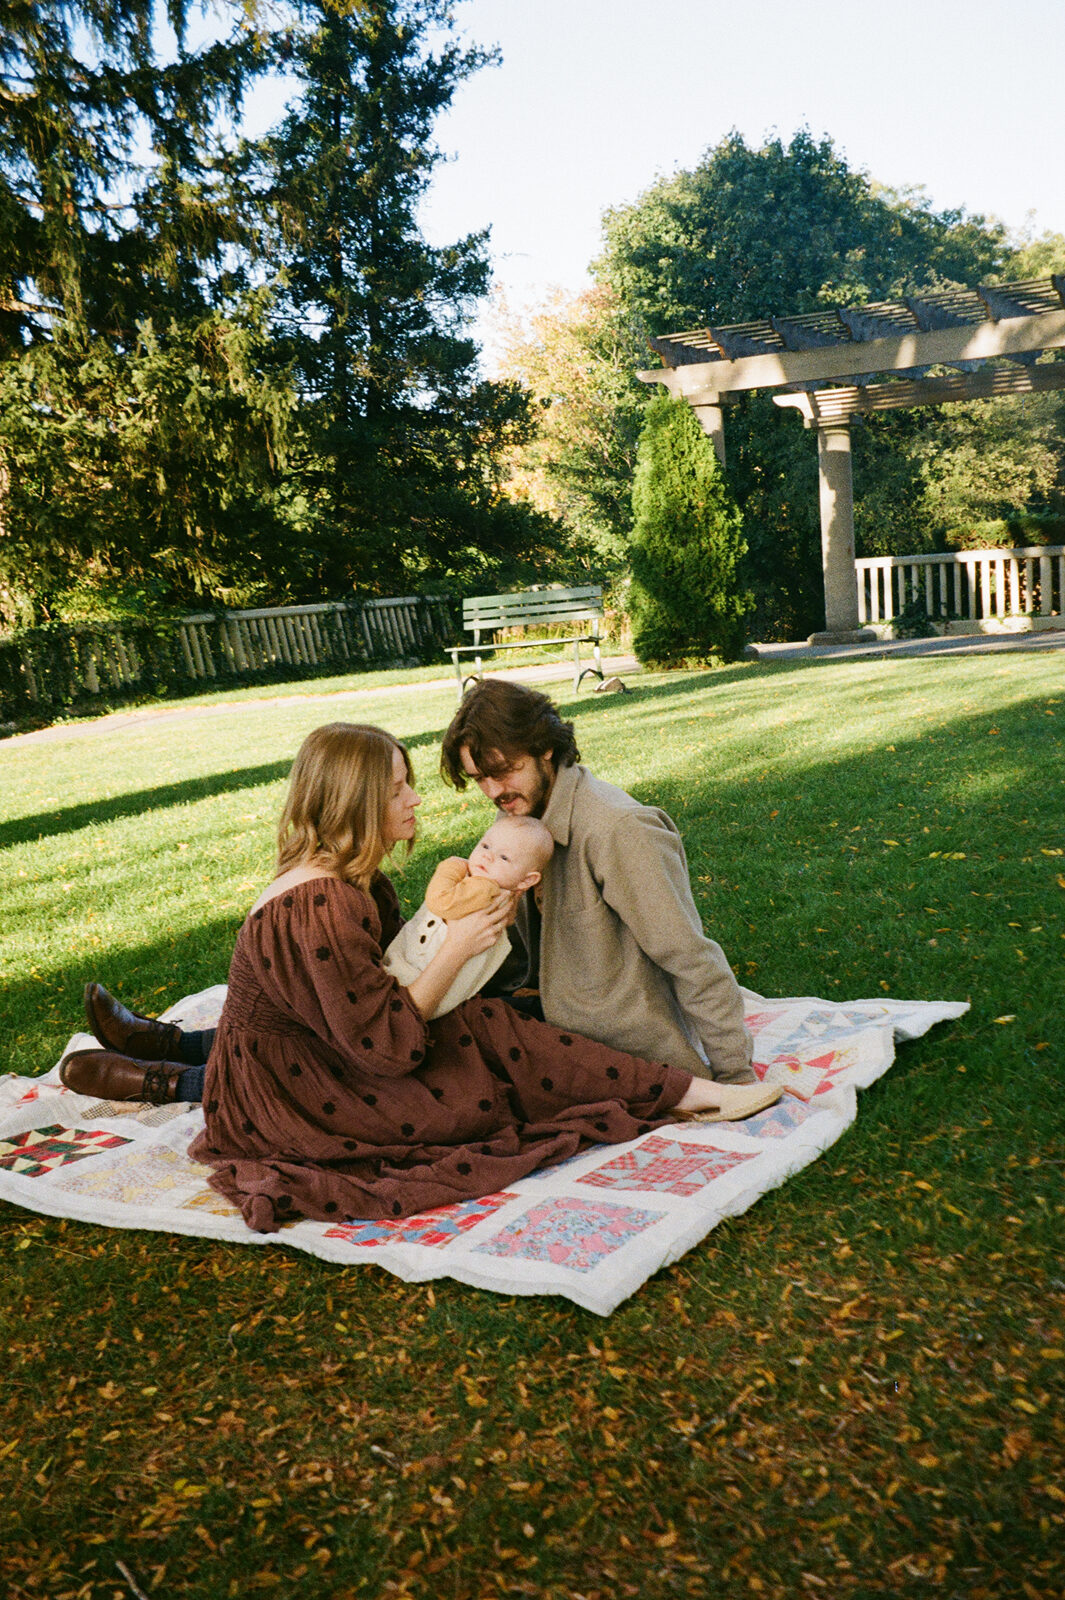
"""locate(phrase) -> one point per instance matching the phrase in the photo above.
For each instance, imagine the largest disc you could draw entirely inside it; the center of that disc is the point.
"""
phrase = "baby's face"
(504, 856)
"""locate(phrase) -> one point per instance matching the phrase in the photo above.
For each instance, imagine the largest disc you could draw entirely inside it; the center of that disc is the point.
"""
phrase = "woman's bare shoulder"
(289, 880)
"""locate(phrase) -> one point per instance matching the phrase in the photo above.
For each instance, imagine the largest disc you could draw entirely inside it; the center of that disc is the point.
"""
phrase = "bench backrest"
(532, 606)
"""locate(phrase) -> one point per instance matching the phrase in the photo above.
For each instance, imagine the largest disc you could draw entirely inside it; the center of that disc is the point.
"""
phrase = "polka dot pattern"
(335, 1102)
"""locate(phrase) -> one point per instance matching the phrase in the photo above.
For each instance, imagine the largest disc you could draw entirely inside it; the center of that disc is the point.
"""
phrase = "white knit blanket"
(593, 1229)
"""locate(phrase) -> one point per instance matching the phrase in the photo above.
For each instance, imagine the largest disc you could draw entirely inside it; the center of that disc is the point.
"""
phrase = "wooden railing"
(341, 632)
(967, 591)
(55, 666)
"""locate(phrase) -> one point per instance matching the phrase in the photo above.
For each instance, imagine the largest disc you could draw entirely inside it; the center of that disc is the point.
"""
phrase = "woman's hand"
(467, 937)
(472, 935)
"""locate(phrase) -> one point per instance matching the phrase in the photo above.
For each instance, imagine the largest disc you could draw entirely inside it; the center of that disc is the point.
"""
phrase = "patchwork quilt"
(592, 1229)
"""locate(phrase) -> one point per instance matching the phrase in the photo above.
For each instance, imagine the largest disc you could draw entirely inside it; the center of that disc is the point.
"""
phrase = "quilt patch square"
(810, 1077)
(206, 1199)
(759, 1020)
(140, 1178)
(665, 1165)
(432, 1228)
(148, 1116)
(780, 1120)
(820, 1028)
(42, 1150)
(572, 1233)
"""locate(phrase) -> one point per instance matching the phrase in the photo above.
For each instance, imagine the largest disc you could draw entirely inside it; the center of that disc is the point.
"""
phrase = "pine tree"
(687, 545)
(94, 232)
(142, 413)
(401, 437)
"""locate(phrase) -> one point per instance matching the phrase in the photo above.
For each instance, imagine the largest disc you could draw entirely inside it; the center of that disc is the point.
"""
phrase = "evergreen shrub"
(685, 601)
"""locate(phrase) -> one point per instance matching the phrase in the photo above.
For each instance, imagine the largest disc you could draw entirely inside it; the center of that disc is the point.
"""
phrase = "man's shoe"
(126, 1031)
(110, 1076)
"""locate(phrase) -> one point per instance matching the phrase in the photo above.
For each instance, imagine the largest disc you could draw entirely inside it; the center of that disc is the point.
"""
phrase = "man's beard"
(537, 801)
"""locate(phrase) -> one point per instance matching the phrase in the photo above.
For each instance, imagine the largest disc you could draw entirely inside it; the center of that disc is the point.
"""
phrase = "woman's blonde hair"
(339, 790)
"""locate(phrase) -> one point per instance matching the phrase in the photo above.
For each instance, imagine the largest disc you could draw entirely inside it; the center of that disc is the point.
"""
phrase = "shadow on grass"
(42, 1011)
(137, 803)
(140, 802)
(28, 829)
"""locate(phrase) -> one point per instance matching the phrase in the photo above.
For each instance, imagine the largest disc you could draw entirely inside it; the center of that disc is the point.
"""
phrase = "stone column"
(712, 421)
(837, 537)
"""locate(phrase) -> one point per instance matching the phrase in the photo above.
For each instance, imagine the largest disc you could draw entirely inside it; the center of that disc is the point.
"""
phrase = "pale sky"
(596, 98)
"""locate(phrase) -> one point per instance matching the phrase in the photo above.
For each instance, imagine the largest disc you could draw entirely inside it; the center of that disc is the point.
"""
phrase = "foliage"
(781, 229)
(790, 228)
(87, 667)
(685, 601)
(400, 439)
(1034, 257)
(111, 207)
(236, 369)
(991, 461)
(868, 1362)
(577, 358)
(161, 465)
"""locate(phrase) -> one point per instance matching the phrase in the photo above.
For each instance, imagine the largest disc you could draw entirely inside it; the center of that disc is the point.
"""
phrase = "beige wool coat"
(622, 954)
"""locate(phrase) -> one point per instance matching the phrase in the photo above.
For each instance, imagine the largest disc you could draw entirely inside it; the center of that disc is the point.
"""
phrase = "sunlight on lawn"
(856, 1379)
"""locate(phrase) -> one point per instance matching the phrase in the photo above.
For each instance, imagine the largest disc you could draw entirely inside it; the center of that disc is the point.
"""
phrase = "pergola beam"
(700, 383)
(991, 383)
(810, 353)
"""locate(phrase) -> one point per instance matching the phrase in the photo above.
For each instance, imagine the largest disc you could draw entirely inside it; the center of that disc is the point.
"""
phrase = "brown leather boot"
(110, 1076)
(127, 1031)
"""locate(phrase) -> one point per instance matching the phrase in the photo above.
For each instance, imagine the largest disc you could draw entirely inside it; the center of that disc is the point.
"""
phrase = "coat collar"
(559, 811)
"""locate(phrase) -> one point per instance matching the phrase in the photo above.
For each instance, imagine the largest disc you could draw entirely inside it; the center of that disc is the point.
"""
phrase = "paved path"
(167, 716)
(544, 672)
(955, 644)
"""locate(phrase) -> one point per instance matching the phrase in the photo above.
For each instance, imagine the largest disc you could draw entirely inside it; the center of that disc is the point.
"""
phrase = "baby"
(507, 860)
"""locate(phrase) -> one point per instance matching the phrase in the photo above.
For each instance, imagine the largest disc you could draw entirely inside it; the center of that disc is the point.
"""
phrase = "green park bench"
(530, 608)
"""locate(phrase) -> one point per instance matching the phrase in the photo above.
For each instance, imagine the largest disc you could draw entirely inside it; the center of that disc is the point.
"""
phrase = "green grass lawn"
(854, 1389)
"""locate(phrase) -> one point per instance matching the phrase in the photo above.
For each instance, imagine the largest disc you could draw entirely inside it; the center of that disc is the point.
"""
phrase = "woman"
(328, 1093)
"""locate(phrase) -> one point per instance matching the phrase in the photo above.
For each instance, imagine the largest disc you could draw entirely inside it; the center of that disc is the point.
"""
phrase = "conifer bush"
(686, 603)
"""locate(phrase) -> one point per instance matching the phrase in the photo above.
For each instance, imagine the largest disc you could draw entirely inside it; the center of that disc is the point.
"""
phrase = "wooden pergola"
(853, 360)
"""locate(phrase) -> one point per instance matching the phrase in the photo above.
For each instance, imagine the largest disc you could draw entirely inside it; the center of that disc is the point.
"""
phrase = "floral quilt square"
(573, 1233)
(665, 1165)
(437, 1227)
(42, 1150)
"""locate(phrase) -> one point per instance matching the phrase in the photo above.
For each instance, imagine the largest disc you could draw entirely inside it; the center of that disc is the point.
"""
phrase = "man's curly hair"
(500, 722)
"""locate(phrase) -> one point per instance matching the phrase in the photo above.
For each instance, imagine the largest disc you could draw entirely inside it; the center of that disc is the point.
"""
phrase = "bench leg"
(595, 671)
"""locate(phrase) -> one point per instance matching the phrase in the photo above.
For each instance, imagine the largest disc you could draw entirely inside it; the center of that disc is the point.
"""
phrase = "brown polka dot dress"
(329, 1096)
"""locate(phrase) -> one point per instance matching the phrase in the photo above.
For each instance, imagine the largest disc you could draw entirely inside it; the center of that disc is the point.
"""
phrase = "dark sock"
(190, 1084)
(194, 1048)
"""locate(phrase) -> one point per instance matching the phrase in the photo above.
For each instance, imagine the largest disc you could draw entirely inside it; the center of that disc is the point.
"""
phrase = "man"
(617, 949)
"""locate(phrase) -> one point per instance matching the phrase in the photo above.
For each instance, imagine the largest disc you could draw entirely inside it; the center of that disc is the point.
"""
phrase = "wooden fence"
(341, 633)
(56, 666)
(967, 591)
